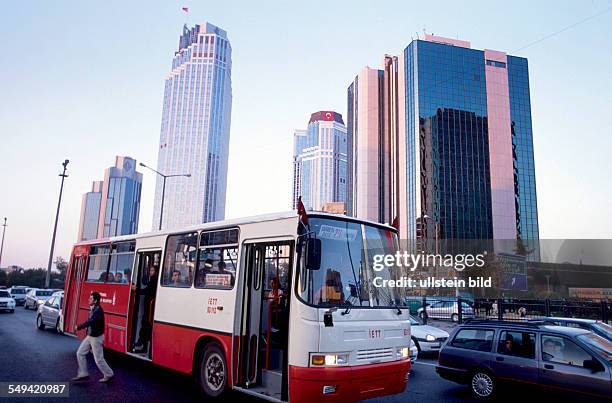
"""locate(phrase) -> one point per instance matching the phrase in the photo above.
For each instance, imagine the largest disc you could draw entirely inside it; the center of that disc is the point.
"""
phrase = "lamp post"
(59, 202)
(2, 246)
(161, 210)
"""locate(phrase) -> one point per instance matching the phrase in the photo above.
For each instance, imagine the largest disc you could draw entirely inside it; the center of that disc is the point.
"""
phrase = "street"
(28, 354)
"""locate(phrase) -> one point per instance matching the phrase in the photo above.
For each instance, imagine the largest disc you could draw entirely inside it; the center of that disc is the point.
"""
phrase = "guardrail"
(457, 309)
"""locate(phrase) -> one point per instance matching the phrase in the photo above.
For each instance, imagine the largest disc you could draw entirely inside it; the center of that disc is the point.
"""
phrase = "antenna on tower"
(424, 31)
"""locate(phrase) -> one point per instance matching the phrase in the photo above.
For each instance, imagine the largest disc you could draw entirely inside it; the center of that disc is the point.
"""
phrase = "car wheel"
(58, 329)
(39, 323)
(455, 317)
(212, 374)
(421, 315)
(25, 305)
(483, 384)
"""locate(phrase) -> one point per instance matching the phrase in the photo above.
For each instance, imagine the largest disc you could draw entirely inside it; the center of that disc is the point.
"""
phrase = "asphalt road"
(28, 354)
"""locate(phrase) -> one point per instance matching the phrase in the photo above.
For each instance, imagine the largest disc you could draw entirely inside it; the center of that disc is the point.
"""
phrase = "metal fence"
(458, 309)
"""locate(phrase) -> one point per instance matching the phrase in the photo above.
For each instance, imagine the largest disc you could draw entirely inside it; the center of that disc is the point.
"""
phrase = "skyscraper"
(319, 165)
(112, 207)
(90, 212)
(195, 129)
(457, 124)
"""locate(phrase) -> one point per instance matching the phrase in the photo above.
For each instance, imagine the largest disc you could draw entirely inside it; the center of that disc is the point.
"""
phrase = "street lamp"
(2, 246)
(161, 212)
(59, 202)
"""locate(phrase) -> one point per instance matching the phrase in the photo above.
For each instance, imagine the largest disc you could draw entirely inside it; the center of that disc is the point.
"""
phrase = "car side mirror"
(313, 254)
(593, 365)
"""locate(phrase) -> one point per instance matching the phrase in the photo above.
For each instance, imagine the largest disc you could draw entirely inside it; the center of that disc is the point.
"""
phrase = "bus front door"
(73, 292)
(266, 318)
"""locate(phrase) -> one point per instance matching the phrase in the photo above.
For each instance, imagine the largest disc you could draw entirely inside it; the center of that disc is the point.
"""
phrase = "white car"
(7, 303)
(19, 293)
(426, 338)
(446, 310)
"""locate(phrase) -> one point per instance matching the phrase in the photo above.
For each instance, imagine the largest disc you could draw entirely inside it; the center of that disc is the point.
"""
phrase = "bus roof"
(230, 223)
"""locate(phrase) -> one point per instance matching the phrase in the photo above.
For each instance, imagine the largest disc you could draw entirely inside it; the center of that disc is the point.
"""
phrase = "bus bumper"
(347, 384)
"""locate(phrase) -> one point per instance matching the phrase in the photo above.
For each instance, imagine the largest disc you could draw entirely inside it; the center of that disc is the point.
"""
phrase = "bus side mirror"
(313, 254)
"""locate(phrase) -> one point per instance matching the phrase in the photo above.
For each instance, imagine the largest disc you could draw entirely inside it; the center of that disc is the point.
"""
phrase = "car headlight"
(430, 337)
(40, 301)
(402, 353)
(329, 359)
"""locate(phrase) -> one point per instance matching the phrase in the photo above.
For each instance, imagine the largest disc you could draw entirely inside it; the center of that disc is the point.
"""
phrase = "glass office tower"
(195, 129)
(469, 146)
(320, 161)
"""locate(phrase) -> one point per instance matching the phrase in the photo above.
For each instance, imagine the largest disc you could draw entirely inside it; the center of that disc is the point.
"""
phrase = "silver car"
(50, 313)
(35, 297)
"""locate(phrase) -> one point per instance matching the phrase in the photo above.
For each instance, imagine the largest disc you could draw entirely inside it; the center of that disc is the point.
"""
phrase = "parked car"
(425, 337)
(7, 303)
(50, 313)
(602, 329)
(18, 293)
(446, 310)
(414, 352)
(484, 353)
(36, 297)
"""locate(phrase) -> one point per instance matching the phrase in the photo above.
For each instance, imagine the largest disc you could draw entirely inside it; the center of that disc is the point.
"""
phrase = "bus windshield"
(345, 277)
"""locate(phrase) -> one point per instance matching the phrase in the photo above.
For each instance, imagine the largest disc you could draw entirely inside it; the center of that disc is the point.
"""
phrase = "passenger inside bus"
(332, 291)
(149, 291)
(177, 281)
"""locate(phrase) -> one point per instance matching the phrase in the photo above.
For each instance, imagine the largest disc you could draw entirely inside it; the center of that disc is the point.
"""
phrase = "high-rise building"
(112, 207)
(319, 165)
(90, 212)
(457, 128)
(195, 129)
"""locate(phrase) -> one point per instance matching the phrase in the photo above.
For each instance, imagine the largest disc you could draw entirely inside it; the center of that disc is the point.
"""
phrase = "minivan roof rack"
(527, 323)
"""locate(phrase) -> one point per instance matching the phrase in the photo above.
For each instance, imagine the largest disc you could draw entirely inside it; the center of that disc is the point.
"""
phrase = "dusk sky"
(84, 81)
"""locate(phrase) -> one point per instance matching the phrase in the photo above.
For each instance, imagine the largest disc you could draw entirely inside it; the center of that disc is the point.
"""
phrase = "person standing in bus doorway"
(146, 327)
(94, 342)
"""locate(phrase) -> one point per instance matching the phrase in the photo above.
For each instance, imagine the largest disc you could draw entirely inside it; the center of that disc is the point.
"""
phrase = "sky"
(84, 81)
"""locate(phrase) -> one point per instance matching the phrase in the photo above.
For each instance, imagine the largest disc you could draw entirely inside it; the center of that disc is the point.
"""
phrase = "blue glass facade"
(522, 148)
(194, 135)
(448, 180)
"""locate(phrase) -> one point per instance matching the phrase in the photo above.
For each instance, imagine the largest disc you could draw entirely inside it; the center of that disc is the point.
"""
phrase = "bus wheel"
(212, 376)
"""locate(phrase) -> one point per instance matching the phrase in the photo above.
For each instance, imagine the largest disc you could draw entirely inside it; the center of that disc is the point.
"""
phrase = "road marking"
(425, 363)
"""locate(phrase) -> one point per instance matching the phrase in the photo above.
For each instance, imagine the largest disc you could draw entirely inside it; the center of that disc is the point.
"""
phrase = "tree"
(61, 265)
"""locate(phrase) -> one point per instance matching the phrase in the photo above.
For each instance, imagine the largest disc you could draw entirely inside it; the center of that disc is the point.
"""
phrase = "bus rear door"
(73, 289)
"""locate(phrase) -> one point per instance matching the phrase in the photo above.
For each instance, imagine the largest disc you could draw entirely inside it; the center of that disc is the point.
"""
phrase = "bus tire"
(212, 371)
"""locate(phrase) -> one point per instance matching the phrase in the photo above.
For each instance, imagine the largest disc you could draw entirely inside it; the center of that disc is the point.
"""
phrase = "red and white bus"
(278, 306)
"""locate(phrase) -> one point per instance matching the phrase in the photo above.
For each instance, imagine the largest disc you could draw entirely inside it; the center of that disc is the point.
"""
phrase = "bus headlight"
(402, 353)
(329, 359)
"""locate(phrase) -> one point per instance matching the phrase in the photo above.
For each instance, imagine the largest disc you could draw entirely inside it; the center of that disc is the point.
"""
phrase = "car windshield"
(599, 344)
(44, 293)
(414, 322)
(346, 276)
(4, 294)
(604, 328)
(18, 291)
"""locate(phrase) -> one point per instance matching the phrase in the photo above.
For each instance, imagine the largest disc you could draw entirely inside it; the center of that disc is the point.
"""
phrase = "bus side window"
(180, 260)
(98, 263)
(217, 268)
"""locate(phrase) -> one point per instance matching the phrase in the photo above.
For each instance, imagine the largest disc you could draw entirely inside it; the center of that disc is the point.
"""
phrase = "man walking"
(93, 342)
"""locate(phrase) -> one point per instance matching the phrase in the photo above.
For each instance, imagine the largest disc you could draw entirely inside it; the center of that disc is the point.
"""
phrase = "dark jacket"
(95, 322)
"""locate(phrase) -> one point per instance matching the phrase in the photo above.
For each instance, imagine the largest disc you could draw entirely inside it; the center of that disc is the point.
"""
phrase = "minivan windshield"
(18, 291)
(599, 344)
(346, 276)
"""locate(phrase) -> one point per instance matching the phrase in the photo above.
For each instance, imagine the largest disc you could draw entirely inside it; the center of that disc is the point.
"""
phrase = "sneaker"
(80, 378)
(106, 379)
